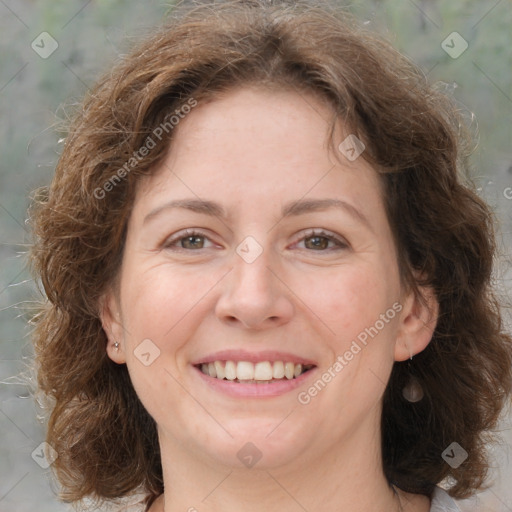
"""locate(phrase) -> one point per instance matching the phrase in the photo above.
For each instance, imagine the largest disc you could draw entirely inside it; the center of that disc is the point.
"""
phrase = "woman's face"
(252, 244)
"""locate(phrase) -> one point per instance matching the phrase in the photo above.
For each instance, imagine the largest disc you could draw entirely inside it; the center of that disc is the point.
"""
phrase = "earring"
(116, 345)
(412, 391)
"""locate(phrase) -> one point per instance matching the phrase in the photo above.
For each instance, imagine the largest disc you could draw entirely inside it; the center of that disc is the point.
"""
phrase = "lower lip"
(239, 389)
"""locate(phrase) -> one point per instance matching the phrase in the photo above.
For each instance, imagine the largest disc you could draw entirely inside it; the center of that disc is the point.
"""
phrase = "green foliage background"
(91, 35)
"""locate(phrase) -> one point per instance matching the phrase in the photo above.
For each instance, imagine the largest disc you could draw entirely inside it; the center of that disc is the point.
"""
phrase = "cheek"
(352, 302)
(162, 306)
(349, 299)
(159, 299)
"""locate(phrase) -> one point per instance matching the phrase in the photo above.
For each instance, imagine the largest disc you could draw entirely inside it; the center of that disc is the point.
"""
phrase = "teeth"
(261, 372)
(278, 370)
(219, 368)
(230, 370)
(289, 370)
(244, 370)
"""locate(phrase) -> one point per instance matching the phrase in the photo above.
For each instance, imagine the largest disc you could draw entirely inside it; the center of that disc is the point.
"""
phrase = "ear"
(418, 321)
(111, 320)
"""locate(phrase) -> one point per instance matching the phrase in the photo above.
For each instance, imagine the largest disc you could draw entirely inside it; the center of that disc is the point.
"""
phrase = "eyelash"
(339, 242)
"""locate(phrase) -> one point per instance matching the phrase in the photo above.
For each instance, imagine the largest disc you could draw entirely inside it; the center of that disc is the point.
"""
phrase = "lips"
(253, 357)
(253, 389)
(243, 373)
(246, 371)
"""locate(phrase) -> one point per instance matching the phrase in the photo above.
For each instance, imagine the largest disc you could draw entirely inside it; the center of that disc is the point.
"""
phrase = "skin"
(252, 151)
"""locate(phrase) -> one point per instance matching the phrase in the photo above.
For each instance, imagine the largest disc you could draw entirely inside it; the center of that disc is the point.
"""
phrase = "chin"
(257, 444)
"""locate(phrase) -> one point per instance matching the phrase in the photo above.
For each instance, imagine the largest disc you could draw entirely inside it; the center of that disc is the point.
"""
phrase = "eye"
(188, 240)
(322, 241)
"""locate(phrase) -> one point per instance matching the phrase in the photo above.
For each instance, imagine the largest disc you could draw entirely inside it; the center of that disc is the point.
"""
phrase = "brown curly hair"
(106, 441)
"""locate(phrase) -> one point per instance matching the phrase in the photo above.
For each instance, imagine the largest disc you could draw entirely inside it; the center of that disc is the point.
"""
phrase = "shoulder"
(443, 502)
(130, 504)
(133, 508)
(138, 507)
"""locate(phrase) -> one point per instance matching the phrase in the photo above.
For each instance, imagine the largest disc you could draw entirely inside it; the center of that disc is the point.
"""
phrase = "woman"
(268, 285)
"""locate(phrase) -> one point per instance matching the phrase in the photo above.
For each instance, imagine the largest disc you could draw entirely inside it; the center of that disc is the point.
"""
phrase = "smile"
(255, 380)
(253, 373)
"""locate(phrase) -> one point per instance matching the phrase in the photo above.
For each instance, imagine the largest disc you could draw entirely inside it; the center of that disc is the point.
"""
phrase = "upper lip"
(253, 357)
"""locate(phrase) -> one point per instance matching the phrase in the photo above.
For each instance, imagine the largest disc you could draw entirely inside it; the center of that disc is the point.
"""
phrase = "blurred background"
(51, 53)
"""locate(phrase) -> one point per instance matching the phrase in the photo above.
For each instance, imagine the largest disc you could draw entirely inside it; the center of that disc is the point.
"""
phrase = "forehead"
(251, 142)
(256, 123)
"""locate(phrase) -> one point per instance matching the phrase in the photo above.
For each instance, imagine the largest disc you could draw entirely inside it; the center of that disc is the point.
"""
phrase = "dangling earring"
(412, 391)
(116, 345)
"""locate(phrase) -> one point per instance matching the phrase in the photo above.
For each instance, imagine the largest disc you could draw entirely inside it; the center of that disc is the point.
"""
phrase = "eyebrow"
(293, 208)
(195, 205)
(302, 206)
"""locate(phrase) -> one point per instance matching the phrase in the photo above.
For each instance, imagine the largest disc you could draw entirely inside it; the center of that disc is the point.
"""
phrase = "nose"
(254, 296)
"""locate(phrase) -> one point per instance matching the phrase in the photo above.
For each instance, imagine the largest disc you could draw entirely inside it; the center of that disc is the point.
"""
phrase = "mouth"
(247, 372)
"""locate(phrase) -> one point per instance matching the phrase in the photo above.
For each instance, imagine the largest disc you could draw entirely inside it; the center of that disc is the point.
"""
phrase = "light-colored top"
(441, 502)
